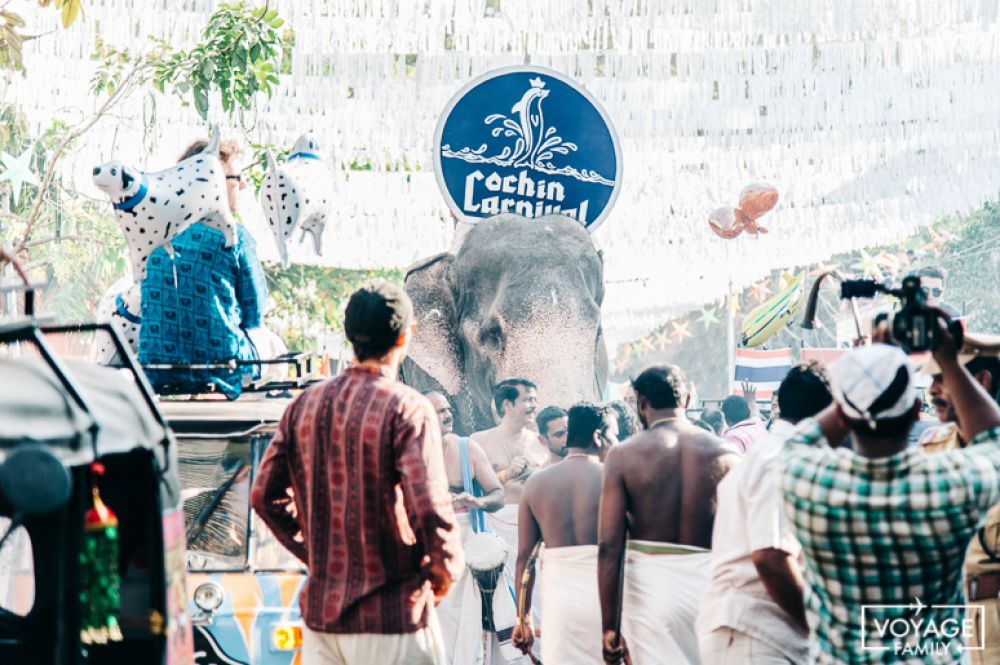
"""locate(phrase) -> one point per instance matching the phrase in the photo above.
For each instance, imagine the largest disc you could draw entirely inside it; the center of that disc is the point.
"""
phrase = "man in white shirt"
(753, 612)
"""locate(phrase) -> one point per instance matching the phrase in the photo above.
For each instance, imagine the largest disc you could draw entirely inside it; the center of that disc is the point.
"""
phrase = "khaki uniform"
(982, 573)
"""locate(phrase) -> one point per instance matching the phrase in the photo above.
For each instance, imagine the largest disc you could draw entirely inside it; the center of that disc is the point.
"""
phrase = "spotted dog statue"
(297, 195)
(121, 306)
(152, 208)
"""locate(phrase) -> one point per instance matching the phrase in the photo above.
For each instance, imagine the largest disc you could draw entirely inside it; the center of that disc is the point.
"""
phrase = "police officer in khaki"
(981, 356)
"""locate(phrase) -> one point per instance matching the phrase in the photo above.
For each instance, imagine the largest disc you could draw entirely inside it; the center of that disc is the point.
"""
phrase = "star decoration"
(869, 265)
(823, 267)
(621, 365)
(646, 344)
(761, 291)
(708, 317)
(680, 331)
(18, 172)
(662, 340)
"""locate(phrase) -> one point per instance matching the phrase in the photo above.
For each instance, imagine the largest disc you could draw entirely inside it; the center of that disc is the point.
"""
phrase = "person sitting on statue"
(204, 304)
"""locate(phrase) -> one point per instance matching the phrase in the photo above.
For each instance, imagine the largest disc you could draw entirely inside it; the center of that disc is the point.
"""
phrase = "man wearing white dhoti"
(514, 451)
(559, 508)
(659, 492)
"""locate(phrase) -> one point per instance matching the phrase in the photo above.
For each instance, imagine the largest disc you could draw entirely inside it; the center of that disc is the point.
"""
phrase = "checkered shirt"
(884, 532)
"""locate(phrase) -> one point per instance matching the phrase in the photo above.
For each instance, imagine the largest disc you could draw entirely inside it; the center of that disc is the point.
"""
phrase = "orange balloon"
(751, 226)
(757, 198)
(728, 222)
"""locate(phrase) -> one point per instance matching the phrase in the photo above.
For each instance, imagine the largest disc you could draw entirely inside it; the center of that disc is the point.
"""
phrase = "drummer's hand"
(523, 637)
(440, 580)
(615, 649)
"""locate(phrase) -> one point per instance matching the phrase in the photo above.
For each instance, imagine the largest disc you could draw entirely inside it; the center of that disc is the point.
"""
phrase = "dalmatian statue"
(152, 208)
(297, 195)
(121, 306)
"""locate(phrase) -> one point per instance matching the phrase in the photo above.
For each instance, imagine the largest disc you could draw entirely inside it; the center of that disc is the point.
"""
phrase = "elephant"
(520, 297)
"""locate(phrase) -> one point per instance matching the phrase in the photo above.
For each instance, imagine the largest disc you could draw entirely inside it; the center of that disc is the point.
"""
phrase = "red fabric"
(353, 484)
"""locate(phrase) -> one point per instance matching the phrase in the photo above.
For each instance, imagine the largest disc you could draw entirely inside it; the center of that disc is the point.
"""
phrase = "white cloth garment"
(460, 613)
(504, 524)
(420, 648)
(726, 646)
(571, 624)
(664, 585)
(750, 518)
(460, 616)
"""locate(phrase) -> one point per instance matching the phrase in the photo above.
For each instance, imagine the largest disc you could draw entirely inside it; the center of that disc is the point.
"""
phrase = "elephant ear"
(435, 348)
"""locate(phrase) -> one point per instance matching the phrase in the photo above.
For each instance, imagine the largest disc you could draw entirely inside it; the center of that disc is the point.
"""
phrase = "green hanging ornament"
(100, 584)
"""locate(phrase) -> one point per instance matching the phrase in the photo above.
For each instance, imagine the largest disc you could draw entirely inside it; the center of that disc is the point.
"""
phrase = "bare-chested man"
(659, 491)
(515, 452)
(552, 428)
(480, 470)
(559, 507)
(460, 613)
(512, 446)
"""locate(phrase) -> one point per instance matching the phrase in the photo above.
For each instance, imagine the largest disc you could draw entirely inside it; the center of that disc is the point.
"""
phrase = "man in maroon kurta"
(353, 484)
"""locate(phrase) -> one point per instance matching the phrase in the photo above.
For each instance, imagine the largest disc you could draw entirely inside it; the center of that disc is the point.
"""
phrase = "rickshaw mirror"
(34, 480)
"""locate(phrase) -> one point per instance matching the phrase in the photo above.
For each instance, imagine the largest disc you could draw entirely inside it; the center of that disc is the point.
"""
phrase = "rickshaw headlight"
(208, 597)
(287, 638)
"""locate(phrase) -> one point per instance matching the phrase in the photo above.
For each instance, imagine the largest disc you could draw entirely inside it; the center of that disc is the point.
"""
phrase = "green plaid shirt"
(885, 532)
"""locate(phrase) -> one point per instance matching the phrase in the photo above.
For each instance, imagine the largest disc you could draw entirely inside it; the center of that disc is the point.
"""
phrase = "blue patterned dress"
(203, 317)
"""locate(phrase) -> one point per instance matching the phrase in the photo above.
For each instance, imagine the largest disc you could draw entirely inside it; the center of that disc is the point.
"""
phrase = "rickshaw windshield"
(215, 486)
(216, 475)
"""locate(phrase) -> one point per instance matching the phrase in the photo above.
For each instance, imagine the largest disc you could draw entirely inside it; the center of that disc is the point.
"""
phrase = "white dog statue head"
(152, 208)
(297, 195)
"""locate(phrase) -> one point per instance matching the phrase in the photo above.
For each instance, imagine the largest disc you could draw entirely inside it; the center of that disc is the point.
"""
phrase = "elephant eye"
(114, 171)
(492, 337)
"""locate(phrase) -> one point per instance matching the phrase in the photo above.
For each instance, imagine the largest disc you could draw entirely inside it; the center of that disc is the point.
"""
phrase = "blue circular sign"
(529, 141)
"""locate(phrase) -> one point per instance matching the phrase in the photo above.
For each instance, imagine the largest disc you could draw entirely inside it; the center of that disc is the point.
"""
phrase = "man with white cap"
(982, 561)
(883, 527)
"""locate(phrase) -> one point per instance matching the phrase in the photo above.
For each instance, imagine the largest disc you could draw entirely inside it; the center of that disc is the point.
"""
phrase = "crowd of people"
(822, 536)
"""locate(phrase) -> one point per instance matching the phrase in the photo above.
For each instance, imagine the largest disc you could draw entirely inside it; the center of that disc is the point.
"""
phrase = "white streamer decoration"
(871, 117)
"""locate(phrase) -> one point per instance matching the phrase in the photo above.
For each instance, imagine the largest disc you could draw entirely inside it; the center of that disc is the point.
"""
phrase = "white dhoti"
(504, 524)
(571, 625)
(664, 584)
(460, 614)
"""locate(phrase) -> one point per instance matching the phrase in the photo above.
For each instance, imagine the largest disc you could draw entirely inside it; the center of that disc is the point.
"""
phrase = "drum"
(485, 554)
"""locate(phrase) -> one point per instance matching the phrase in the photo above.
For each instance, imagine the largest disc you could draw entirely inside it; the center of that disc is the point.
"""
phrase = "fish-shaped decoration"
(297, 196)
(767, 319)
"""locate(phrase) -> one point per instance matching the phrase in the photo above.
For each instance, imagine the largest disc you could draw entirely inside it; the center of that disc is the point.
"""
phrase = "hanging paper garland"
(100, 584)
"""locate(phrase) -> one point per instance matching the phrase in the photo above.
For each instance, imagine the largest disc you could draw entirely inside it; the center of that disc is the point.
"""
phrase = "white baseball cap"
(873, 383)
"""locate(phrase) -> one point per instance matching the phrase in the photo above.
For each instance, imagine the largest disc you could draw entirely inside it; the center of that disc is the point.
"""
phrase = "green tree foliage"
(75, 245)
(307, 302)
(239, 55)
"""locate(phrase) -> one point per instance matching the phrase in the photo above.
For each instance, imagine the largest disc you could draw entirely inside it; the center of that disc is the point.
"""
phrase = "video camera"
(914, 326)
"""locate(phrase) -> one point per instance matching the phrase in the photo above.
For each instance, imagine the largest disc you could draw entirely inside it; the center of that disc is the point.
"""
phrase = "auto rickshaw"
(91, 520)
